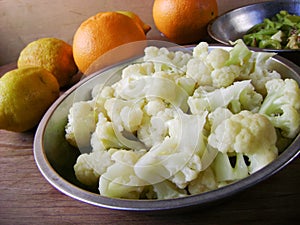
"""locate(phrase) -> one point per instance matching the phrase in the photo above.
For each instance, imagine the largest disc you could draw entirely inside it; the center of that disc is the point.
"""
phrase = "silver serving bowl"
(55, 158)
(232, 25)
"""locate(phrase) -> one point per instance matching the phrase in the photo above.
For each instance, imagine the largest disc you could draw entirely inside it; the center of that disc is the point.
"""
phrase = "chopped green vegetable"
(279, 32)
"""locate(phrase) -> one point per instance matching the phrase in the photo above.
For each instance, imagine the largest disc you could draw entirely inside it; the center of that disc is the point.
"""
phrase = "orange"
(184, 22)
(101, 33)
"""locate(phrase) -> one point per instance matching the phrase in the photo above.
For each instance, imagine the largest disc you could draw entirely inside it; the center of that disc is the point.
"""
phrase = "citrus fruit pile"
(47, 65)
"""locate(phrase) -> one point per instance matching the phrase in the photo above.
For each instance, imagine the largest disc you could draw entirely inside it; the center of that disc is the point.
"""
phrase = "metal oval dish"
(232, 25)
(55, 157)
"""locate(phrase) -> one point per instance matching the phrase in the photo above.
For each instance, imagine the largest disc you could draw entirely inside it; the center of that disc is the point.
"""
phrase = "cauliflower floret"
(90, 166)
(120, 180)
(154, 126)
(261, 74)
(187, 83)
(288, 121)
(249, 134)
(107, 135)
(199, 71)
(201, 51)
(239, 55)
(155, 106)
(212, 71)
(165, 60)
(178, 157)
(140, 70)
(81, 124)
(217, 58)
(152, 86)
(135, 71)
(197, 68)
(104, 136)
(282, 106)
(189, 171)
(217, 116)
(82, 118)
(101, 93)
(225, 76)
(168, 190)
(210, 100)
(249, 100)
(253, 65)
(205, 181)
(125, 114)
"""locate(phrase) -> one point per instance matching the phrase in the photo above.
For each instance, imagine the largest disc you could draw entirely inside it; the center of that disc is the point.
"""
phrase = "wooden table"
(27, 198)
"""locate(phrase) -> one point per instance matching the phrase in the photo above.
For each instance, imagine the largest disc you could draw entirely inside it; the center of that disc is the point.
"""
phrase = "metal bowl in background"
(232, 25)
(55, 157)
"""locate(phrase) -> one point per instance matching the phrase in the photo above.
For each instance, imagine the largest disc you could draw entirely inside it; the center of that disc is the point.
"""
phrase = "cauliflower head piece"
(244, 134)
(90, 166)
(282, 106)
(236, 97)
(204, 182)
(81, 124)
(180, 156)
(120, 180)
(154, 127)
(165, 60)
(209, 69)
(253, 65)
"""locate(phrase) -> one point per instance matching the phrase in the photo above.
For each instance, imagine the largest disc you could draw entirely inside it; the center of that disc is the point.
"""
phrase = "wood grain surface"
(27, 198)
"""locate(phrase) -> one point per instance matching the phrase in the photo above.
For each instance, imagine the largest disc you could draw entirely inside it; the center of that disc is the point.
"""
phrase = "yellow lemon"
(137, 19)
(52, 54)
(25, 95)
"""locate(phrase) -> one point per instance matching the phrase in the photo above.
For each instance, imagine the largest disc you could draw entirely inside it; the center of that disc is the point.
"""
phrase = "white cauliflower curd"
(179, 123)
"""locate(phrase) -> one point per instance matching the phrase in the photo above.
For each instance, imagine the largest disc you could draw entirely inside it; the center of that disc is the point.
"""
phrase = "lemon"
(52, 54)
(25, 95)
(146, 28)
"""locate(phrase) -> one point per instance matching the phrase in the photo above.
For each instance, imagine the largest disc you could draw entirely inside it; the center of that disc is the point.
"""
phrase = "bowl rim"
(221, 41)
(198, 200)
